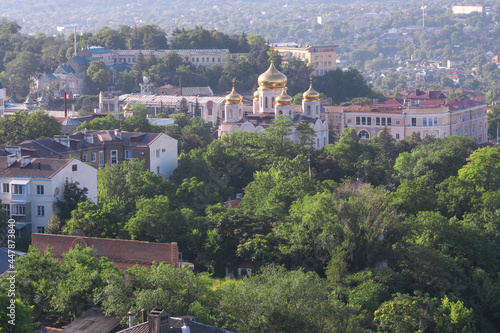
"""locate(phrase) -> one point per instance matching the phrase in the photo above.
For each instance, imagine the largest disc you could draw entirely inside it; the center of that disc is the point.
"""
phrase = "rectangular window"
(389, 121)
(348, 121)
(413, 121)
(213, 59)
(5, 187)
(383, 121)
(41, 230)
(74, 167)
(397, 122)
(40, 190)
(435, 121)
(128, 154)
(114, 157)
(377, 121)
(17, 189)
(158, 170)
(358, 121)
(192, 59)
(397, 136)
(93, 157)
(424, 122)
(368, 120)
(101, 158)
(19, 210)
(158, 153)
(363, 120)
(84, 158)
(40, 210)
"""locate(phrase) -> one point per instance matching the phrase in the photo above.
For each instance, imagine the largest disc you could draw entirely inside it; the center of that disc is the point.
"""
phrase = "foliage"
(72, 195)
(27, 126)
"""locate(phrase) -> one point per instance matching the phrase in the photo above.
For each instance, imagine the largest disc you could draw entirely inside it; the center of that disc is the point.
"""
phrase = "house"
(98, 148)
(122, 253)
(160, 321)
(31, 185)
(323, 58)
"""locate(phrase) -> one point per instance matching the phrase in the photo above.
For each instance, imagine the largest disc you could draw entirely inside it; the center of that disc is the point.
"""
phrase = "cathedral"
(270, 101)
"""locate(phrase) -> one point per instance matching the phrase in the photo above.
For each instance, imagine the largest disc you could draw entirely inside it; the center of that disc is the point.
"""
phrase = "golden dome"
(127, 108)
(272, 79)
(233, 97)
(256, 95)
(284, 99)
(311, 95)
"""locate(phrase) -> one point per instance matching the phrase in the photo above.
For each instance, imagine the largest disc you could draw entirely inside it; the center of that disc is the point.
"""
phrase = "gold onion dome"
(233, 97)
(284, 99)
(256, 95)
(272, 79)
(127, 108)
(311, 95)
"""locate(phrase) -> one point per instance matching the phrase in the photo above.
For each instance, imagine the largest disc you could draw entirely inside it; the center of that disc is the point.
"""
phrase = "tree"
(454, 317)
(72, 195)
(482, 170)
(493, 122)
(456, 95)
(99, 76)
(342, 85)
(41, 125)
(21, 322)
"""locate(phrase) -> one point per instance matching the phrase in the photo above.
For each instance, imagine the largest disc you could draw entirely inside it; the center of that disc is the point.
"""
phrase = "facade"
(211, 108)
(31, 186)
(470, 8)
(270, 102)
(323, 58)
(436, 118)
(122, 253)
(98, 148)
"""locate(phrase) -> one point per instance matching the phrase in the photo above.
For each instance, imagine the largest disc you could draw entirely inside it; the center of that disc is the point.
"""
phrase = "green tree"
(454, 317)
(72, 195)
(99, 76)
(482, 170)
(454, 95)
(21, 322)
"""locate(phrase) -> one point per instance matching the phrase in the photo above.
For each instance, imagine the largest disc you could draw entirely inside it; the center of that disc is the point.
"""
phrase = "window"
(158, 153)
(128, 154)
(397, 122)
(348, 121)
(424, 122)
(17, 189)
(74, 167)
(363, 134)
(202, 59)
(114, 157)
(389, 122)
(40, 190)
(101, 158)
(377, 121)
(397, 136)
(84, 158)
(40, 210)
(435, 121)
(358, 120)
(197, 59)
(5, 188)
(157, 170)
(41, 230)
(368, 120)
(383, 121)
(413, 121)
(363, 120)
(93, 157)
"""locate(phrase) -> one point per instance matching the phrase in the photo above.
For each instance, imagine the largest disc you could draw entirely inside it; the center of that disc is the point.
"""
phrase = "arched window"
(308, 110)
(364, 134)
(260, 99)
(280, 112)
(317, 143)
(230, 114)
(317, 110)
(272, 102)
(265, 103)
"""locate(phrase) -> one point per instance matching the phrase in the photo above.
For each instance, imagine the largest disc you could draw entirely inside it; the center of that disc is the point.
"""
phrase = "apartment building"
(30, 187)
(323, 58)
(435, 118)
(98, 148)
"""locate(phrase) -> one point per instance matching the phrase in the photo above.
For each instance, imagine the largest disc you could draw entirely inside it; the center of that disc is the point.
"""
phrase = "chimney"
(118, 134)
(144, 315)
(11, 159)
(25, 161)
(130, 319)
(159, 321)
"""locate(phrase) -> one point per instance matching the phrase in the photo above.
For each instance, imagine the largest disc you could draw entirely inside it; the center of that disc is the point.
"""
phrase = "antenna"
(423, 14)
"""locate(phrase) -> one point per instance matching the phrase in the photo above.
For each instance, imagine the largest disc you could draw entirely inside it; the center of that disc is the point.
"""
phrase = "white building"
(271, 101)
(31, 186)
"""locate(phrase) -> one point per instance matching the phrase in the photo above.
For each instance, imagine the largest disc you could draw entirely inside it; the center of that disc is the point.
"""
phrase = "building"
(432, 117)
(323, 58)
(470, 8)
(31, 186)
(210, 108)
(122, 253)
(98, 148)
(270, 102)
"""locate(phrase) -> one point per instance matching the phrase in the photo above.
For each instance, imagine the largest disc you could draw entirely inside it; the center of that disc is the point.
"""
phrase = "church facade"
(271, 101)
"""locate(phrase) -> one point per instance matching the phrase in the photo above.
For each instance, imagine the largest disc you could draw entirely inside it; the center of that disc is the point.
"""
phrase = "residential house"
(323, 58)
(158, 150)
(31, 185)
